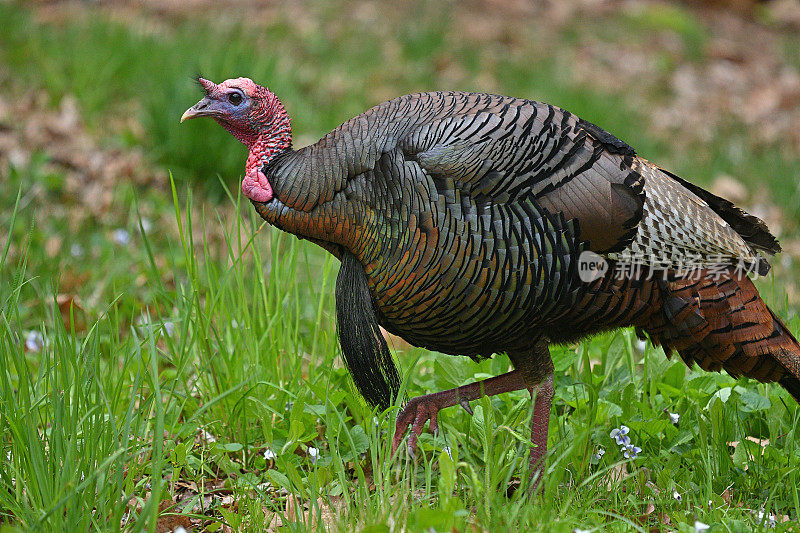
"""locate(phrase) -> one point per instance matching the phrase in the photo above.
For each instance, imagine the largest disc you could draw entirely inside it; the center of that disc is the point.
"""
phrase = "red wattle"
(256, 187)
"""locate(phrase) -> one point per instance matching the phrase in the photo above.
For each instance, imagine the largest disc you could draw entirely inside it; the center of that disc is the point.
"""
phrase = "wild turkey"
(460, 220)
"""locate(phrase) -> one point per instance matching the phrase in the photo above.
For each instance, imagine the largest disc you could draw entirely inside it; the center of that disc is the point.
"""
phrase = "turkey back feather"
(365, 351)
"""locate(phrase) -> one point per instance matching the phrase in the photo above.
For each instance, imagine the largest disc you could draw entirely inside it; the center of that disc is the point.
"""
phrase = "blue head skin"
(255, 116)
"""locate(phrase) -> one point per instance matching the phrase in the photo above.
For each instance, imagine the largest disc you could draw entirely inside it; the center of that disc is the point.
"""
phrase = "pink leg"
(423, 408)
(532, 370)
(542, 401)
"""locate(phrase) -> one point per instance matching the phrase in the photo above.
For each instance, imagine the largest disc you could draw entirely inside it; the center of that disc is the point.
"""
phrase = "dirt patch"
(57, 141)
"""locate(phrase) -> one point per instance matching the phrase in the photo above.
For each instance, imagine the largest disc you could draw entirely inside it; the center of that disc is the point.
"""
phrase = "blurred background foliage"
(709, 90)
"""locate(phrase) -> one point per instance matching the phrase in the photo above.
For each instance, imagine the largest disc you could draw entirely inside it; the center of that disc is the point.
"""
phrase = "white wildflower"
(674, 417)
(599, 453)
(179, 529)
(206, 436)
(677, 496)
(121, 237)
(771, 520)
(620, 435)
(269, 455)
(146, 225)
(700, 526)
(640, 345)
(630, 451)
(313, 453)
(34, 341)
(76, 250)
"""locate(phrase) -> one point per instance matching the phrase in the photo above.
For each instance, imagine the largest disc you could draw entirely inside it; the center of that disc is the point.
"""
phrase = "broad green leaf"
(751, 400)
(722, 395)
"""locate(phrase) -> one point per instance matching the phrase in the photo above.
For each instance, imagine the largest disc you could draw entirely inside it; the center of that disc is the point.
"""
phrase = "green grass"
(210, 338)
(82, 416)
(674, 19)
(113, 413)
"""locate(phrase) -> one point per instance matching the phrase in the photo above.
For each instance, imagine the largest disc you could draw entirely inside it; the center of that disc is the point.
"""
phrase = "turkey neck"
(264, 148)
(309, 208)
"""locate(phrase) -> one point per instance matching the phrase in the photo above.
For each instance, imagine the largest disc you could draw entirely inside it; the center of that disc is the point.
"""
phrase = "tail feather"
(721, 322)
(788, 358)
(365, 350)
(753, 230)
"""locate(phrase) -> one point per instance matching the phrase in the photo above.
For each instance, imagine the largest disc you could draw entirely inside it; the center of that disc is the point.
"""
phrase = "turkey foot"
(423, 408)
(416, 412)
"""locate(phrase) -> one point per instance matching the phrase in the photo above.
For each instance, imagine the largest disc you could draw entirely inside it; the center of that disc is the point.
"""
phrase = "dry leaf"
(294, 506)
(168, 522)
(616, 475)
(71, 308)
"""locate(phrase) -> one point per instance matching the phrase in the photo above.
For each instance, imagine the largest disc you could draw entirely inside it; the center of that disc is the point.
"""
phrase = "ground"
(167, 360)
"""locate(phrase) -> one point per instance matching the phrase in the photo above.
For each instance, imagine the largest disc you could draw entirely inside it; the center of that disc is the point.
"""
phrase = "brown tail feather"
(721, 322)
(788, 359)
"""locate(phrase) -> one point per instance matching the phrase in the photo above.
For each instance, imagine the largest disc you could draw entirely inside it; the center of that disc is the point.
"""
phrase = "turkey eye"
(235, 98)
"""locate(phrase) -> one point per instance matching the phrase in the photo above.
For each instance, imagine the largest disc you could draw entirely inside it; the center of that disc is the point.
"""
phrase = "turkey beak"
(203, 108)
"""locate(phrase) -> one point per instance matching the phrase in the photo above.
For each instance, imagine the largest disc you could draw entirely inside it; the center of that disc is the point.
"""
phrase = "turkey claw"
(416, 412)
(465, 404)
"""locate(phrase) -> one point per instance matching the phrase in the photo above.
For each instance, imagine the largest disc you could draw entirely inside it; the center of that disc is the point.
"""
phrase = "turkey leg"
(542, 401)
(423, 408)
